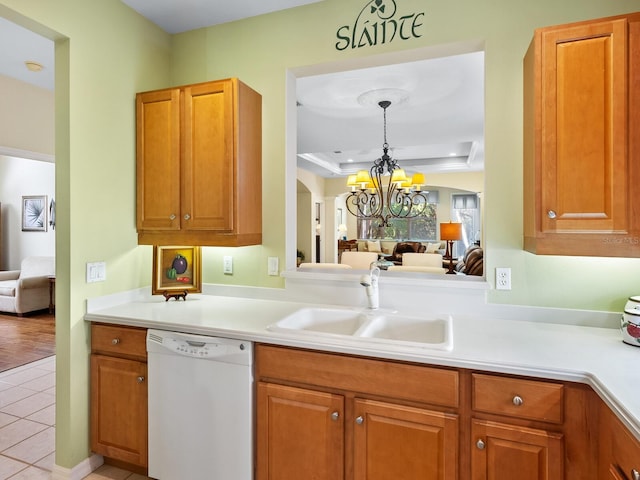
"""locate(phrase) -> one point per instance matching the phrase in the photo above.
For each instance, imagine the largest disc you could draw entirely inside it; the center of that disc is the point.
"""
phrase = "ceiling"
(176, 16)
(435, 123)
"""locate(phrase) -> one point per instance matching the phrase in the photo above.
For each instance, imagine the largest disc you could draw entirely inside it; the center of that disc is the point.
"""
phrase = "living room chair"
(324, 266)
(422, 259)
(417, 269)
(404, 247)
(359, 260)
(27, 290)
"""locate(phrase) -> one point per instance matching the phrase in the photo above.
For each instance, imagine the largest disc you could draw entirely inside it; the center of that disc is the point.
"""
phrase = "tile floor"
(27, 425)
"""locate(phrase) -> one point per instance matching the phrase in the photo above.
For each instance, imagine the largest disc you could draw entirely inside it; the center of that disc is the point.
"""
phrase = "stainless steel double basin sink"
(369, 326)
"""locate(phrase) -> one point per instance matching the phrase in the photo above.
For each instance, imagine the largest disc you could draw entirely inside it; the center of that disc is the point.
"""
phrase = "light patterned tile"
(9, 466)
(27, 406)
(42, 383)
(5, 386)
(23, 376)
(135, 476)
(32, 473)
(108, 472)
(47, 462)
(6, 419)
(14, 394)
(46, 415)
(48, 363)
(18, 431)
(34, 448)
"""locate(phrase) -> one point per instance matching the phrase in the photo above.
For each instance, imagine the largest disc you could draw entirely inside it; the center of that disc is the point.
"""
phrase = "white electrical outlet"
(503, 278)
(272, 266)
(96, 272)
(227, 264)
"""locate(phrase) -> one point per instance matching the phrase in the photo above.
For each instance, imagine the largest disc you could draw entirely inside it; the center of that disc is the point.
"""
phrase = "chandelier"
(399, 197)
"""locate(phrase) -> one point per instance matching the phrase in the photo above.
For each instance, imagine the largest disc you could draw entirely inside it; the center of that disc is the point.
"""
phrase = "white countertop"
(590, 355)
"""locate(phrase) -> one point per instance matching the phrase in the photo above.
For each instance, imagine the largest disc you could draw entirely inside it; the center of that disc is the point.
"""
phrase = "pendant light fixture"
(399, 197)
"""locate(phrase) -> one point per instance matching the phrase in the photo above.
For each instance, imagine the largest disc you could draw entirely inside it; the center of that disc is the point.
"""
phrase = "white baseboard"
(78, 472)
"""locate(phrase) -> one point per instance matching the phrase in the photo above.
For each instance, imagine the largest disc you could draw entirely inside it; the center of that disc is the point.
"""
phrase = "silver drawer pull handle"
(517, 400)
(140, 379)
(480, 444)
(172, 217)
(187, 216)
(635, 474)
(360, 420)
(115, 341)
(335, 416)
(551, 214)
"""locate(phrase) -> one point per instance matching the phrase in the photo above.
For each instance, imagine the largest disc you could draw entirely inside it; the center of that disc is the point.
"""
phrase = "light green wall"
(261, 50)
(105, 53)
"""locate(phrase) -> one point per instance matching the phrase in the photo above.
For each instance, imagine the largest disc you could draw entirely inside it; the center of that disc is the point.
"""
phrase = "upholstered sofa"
(472, 262)
(26, 290)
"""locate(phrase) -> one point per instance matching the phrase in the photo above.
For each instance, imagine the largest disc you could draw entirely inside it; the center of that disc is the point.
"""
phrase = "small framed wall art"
(176, 271)
(34, 213)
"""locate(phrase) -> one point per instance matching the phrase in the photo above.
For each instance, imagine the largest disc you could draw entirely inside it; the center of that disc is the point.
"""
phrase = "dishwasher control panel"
(197, 346)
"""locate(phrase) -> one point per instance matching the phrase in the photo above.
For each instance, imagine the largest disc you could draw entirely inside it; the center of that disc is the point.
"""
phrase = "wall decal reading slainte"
(377, 24)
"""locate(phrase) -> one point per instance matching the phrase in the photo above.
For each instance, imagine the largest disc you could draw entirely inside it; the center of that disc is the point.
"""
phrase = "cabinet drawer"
(520, 398)
(436, 386)
(119, 341)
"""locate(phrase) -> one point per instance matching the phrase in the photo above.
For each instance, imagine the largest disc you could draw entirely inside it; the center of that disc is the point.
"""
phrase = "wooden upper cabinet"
(199, 165)
(580, 158)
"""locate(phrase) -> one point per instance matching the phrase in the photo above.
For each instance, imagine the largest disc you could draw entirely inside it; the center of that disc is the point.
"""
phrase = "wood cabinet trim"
(428, 385)
(119, 341)
(543, 401)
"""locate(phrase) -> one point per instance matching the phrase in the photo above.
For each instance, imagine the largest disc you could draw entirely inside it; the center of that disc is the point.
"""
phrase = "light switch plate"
(96, 272)
(227, 264)
(272, 266)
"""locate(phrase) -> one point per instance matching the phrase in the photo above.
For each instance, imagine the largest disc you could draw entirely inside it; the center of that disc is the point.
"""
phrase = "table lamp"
(450, 232)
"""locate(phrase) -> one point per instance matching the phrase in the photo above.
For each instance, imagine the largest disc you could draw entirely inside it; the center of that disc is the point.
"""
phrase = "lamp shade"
(417, 180)
(398, 176)
(451, 231)
(363, 178)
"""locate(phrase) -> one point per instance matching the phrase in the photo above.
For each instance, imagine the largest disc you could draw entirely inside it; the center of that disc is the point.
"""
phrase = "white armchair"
(359, 260)
(27, 290)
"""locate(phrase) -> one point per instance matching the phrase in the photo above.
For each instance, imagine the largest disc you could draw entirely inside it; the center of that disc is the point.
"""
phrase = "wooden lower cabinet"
(619, 450)
(119, 396)
(398, 441)
(300, 433)
(341, 419)
(328, 416)
(505, 452)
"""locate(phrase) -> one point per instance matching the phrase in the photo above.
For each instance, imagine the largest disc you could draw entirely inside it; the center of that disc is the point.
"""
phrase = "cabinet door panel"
(584, 128)
(119, 409)
(400, 442)
(509, 451)
(208, 166)
(298, 435)
(158, 160)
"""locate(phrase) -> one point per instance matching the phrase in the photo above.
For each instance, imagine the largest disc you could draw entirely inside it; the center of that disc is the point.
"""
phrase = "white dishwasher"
(200, 407)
